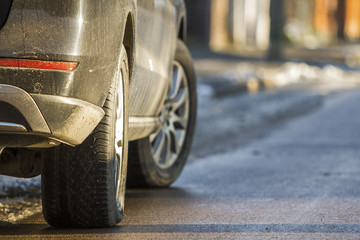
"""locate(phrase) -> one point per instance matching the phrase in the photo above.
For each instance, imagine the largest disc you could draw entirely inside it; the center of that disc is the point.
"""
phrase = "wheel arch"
(129, 41)
(182, 29)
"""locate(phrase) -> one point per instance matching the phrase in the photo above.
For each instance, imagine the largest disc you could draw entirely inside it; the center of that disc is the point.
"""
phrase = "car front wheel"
(158, 160)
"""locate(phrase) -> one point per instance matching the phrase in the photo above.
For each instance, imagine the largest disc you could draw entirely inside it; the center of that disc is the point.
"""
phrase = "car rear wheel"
(85, 186)
(158, 160)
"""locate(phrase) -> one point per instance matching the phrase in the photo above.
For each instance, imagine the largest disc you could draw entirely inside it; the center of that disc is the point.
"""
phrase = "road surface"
(300, 180)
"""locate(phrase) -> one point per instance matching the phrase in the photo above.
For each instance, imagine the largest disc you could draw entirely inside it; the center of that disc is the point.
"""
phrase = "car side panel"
(156, 34)
(90, 32)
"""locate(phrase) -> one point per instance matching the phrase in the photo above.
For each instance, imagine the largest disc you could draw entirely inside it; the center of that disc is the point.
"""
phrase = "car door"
(155, 47)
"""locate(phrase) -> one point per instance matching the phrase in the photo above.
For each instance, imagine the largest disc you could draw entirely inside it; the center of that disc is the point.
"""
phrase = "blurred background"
(278, 28)
(261, 63)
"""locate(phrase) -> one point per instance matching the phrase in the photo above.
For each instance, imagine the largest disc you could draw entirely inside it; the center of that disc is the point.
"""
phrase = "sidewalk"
(242, 99)
(230, 74)
(344, 55)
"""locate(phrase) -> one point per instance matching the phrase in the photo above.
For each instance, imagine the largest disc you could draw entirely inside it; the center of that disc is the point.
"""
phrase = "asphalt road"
(300, 181)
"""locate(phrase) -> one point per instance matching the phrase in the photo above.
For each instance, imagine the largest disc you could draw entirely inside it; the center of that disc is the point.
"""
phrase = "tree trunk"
(276, 29)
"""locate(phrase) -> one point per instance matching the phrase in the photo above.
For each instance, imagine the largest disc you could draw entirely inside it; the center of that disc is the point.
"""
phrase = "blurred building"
(250, 25)
(240, 23)
(352, 19)
(199, 16)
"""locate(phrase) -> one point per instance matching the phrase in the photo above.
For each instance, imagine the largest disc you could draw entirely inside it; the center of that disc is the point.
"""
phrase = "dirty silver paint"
(90, 33)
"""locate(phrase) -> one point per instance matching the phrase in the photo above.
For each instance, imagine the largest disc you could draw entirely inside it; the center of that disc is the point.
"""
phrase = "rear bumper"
(36, 120)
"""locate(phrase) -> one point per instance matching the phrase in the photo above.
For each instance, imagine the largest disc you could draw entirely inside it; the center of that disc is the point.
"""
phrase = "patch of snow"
(204, 90)
(7, 183)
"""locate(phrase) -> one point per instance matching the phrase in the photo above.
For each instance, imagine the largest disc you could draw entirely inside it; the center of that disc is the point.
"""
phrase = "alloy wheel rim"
(168, 141)
(119, 143)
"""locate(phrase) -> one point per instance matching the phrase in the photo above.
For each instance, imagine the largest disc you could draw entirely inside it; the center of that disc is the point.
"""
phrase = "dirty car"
(94, 96)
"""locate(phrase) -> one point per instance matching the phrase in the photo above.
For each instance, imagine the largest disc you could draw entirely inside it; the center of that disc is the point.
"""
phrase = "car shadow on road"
(36, 226)
(172, 192)
(43, 229)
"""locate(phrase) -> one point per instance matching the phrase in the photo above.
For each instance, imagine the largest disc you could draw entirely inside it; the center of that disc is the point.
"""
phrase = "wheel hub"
(165, 115)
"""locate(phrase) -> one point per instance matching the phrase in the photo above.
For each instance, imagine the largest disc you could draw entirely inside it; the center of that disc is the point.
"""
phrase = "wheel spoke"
(178, 78)
(154, 136)
(171, 85)
(181, 120)
(168, 147)
(175, 140)
(160, 147)
(180, 99)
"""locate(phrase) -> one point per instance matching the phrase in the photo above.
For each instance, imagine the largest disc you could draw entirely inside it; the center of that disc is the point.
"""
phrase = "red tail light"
(36, 64)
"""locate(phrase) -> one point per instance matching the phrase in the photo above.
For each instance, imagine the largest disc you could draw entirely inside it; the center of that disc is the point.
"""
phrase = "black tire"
(143, 170)
(79, 185)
